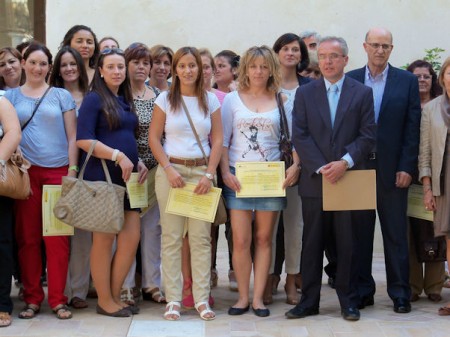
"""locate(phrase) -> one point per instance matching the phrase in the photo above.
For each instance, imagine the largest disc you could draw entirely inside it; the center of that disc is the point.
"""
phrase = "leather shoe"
(434, 297)
(365, 302)
(299, 312)
(350, 314)
(261, 312)
(238, 311)
(402, 306)
(124, 312)
(414, 298)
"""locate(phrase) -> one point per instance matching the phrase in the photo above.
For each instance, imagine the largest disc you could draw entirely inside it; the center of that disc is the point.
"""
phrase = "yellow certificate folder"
(137, 193)
(260, 179)
(184, 202)
(356, 190)
(416, 208)
(51, 225)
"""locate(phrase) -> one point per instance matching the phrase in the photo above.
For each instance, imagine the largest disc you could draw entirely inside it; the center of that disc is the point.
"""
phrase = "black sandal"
(61, 310)
(29, 311)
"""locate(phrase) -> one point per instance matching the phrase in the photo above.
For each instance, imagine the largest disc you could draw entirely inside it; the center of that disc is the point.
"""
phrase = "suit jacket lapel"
(389, 89)
(322, 102)
(344, 102)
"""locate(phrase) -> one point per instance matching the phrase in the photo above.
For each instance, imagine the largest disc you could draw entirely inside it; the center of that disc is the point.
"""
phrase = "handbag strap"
(193, 129)
(283, 119)
(89, 154)
(35, 108)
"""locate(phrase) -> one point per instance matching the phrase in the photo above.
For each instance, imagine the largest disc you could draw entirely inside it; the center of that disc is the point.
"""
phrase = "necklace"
(143, 93)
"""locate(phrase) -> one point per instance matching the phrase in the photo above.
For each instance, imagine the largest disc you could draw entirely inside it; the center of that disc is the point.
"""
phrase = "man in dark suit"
(333, 130)
(397, 114)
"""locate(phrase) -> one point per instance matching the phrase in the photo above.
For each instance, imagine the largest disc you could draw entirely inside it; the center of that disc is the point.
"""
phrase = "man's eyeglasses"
(423, 77)
(331, 57)
(376, 46)
(108, 51)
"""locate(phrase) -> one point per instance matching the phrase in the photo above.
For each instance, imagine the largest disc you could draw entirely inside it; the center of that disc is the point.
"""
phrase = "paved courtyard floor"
(376, 321)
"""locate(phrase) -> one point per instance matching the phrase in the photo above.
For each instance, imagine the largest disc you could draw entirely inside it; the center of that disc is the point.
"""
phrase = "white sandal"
(171, 311)
(205, 311)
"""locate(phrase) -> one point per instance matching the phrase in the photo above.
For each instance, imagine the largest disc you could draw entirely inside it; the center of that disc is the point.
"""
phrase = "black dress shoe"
(365, 302)
(350, 314)
(238, 311)
(261, 312)
(402, 306)
(332, 282)
(299, 312)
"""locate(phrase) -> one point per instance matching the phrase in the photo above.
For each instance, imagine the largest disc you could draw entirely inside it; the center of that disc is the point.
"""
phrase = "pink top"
(220, 95)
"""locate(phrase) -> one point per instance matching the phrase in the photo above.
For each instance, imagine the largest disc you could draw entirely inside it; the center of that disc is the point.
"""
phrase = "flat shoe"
(444, 311)
(261, 312)
(133, 309)
(124, 312)
(29, 311)
(78, 303)
(238, 311)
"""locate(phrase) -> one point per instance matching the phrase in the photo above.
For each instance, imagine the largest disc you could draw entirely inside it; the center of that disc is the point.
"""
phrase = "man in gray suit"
(333, 131)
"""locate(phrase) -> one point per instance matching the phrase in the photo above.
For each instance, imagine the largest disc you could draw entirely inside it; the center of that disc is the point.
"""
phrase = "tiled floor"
(376, 321)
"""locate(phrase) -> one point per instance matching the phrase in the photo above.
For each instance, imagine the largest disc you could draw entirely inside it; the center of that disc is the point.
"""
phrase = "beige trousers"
(173, 228)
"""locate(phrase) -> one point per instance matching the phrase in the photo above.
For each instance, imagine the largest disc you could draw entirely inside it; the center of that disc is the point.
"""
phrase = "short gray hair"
(308, 33)
(337, 39)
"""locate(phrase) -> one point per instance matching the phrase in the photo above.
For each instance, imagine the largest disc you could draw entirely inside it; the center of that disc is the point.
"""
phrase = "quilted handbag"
(14, 179)
(95, 206)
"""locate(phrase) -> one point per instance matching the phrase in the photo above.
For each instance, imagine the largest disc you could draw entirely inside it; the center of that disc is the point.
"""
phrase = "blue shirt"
(377, 84)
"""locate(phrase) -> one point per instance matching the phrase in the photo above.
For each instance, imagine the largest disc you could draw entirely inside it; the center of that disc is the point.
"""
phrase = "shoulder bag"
(14, 179)
(221, 213)
(95, 206)
(285, 143)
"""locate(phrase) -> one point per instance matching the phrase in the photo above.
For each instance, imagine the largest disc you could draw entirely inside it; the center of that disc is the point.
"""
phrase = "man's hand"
(334, 171)
(403, 179)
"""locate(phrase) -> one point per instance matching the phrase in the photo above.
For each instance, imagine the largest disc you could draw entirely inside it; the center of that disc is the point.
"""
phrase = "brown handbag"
(14, 179)
(94, 206)
(221, 213)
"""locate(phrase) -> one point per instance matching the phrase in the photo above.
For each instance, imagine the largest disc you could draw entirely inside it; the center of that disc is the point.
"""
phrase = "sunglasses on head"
(108, 51)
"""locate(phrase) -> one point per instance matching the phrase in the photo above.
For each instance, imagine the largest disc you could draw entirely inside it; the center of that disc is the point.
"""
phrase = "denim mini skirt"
(252, 204)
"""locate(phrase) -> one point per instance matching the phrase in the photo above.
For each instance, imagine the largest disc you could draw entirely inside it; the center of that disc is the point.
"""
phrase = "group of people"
(189, 117)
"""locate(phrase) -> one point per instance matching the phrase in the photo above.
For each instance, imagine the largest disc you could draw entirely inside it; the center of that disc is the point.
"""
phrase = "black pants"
(6, 253)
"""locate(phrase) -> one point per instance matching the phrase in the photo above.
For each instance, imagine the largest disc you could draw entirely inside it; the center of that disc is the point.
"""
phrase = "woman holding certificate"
(251, 121)
(181, 161)
(107, 115)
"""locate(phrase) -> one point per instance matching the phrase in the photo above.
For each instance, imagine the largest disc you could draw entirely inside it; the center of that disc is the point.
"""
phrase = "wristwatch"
(347, 165)
(210, 176)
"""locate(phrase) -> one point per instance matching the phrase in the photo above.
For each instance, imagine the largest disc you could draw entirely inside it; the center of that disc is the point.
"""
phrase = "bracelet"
(114, 155)
(2, 162)
(118, 159)
(74, 168)
(167, 166)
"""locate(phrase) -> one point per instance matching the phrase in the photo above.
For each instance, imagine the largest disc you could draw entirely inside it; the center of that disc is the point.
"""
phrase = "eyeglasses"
(376, 46)
(331, 57)
(423, 77)
(108, 51)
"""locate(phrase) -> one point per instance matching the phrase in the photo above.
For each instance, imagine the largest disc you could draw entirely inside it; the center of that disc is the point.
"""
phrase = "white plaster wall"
(240, 24)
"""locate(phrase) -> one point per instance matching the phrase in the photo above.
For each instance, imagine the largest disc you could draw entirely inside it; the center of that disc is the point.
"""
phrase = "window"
(21, 20)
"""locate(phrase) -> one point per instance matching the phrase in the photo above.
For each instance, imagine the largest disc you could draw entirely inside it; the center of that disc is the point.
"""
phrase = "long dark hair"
(69, 36)
(291, 37)
(436, 89)
(175, 89)
(110, 106)
(56, 79)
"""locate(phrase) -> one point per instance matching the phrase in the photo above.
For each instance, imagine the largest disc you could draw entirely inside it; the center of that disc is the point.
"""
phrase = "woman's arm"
(204, 183)
(70, 125)
(11, 129)
(155, 133)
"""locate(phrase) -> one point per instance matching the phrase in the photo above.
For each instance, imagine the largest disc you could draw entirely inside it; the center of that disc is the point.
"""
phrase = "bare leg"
(101, 255)
(264, 224)
(127, 243)
(241, 224)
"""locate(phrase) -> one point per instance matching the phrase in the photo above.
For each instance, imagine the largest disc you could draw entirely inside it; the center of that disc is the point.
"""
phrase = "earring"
(101, 75)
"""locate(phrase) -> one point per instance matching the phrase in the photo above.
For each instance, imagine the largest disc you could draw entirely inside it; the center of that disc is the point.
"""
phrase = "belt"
(188, 162)
(372, 156)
